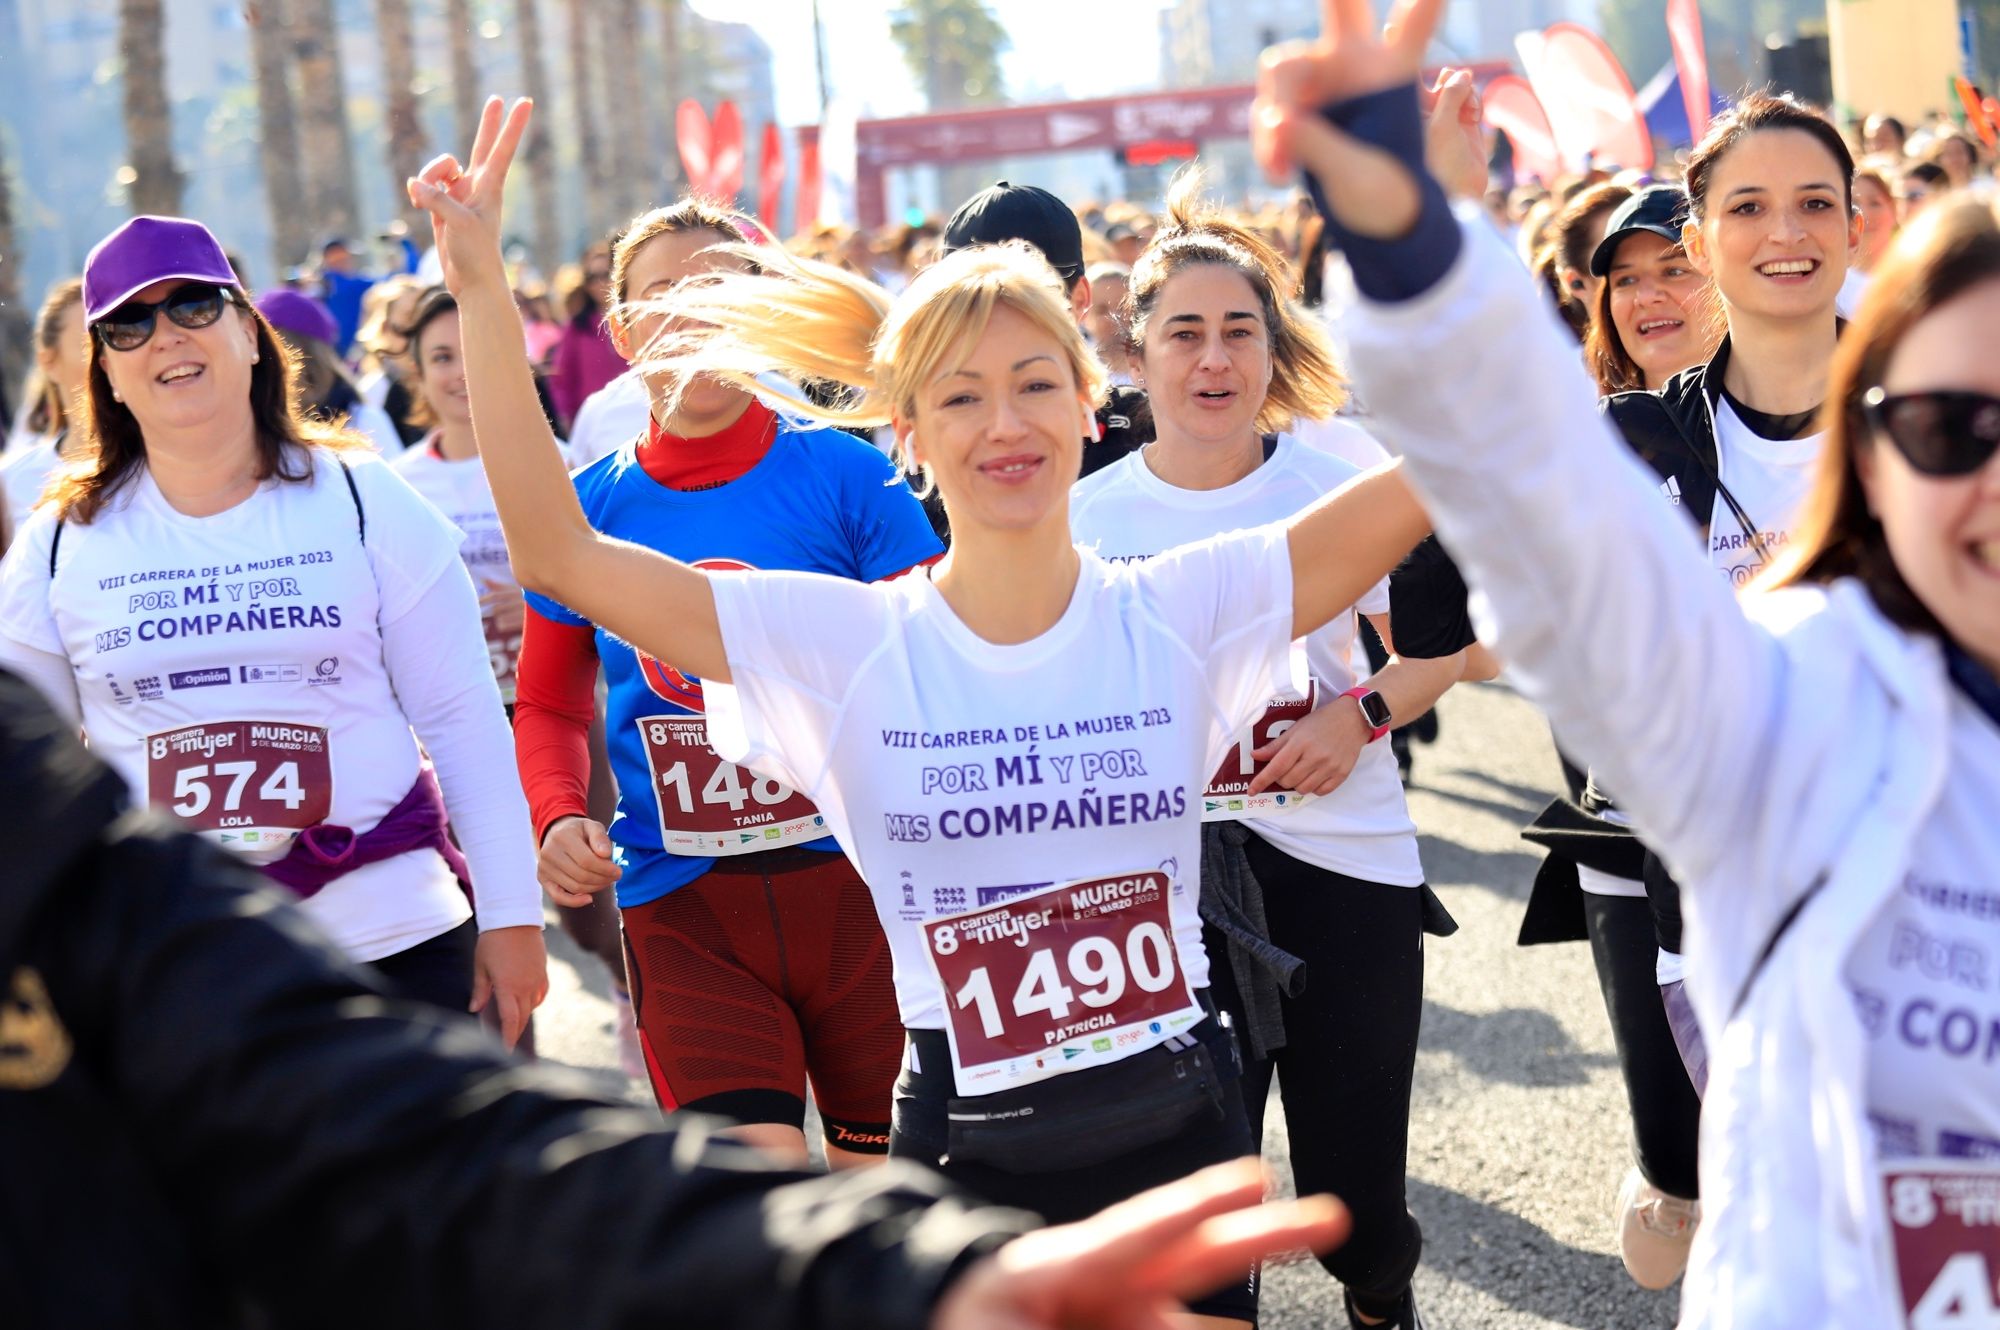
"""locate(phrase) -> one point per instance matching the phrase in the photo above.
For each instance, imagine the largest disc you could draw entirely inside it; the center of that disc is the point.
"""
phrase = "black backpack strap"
(1791, 916)
(354, 492)
(55, 543)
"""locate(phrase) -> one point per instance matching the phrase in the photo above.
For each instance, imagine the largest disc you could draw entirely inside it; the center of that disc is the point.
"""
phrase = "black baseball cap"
(1019, 212)
(1658, 209)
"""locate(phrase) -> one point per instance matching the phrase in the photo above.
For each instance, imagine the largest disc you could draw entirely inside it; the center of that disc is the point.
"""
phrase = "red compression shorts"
(766, 970)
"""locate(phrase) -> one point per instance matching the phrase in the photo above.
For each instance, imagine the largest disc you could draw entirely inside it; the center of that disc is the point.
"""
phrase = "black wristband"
(1401, 269)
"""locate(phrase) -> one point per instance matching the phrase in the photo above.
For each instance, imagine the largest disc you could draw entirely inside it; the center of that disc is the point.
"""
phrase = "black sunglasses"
(1938, 433)
(130, 326)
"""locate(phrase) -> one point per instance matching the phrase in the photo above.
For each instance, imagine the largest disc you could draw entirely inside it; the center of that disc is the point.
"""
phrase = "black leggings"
(1666, 1112)
(437, 971)
(1350, 1055)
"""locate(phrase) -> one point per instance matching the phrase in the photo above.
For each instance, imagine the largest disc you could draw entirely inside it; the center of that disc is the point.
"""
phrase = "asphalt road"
(1518, 1129)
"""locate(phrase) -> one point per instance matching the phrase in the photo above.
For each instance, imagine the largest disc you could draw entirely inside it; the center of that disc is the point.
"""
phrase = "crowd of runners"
(961, 680)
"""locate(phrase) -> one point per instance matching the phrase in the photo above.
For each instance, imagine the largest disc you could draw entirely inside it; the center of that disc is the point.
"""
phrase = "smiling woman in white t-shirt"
(1012, 751)
(1324, 848)
(255, 621)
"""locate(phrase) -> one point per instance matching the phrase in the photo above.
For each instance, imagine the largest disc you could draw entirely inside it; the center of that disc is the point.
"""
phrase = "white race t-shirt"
(460, 491)
(24, 472)
(609, 419)
(230, 668)
(1362, 829)
(959, 774)
(1925, 976)
(1770, 479)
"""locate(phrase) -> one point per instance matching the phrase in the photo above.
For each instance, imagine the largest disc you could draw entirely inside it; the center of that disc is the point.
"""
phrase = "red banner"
(805, 206)
(725, 181)
(695, 137)
(771, 179)
(1514, 110)
(1690, 60)
(1589, 100)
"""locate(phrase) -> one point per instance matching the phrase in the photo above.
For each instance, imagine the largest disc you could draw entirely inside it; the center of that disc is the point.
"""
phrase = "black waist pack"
(1085, 1117)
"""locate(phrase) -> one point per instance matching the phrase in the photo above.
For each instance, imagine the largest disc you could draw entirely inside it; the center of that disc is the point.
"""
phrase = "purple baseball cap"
(147, 250)
(297, 313)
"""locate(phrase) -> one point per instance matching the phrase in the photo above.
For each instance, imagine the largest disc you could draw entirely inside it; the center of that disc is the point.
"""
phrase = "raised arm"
(661, 606)
(1349, 541)
(1602, 605)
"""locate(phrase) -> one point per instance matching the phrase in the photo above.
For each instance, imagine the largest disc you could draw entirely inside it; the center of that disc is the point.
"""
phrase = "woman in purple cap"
(326, 387)
(256, 621)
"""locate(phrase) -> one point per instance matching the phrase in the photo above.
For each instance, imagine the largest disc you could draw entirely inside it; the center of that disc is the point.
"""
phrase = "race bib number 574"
(1944, 1224)
(253, 785)
(1068, 977)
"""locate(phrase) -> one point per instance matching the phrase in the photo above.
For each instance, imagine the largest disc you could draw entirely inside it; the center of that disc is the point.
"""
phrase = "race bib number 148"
(709, 807)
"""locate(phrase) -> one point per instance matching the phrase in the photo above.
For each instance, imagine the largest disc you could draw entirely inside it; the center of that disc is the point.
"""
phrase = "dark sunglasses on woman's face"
(130, 326)
(1938, 433)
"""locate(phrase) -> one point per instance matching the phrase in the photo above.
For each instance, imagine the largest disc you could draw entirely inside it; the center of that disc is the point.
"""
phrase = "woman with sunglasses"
(1013, 750)
(1817, 760)
(256, 621)
(1308, 830)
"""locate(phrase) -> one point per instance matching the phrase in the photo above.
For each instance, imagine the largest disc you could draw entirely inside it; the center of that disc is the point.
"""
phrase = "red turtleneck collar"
(714, 459)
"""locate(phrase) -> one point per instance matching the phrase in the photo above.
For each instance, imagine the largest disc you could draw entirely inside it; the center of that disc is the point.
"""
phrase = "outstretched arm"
(661, 606)
(1349, 541)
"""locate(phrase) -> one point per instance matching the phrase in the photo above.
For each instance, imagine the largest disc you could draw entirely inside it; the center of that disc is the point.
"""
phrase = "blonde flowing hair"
(851, 354)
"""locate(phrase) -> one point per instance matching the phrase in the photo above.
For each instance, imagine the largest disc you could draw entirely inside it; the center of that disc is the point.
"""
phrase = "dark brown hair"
(1755, 113)
(1547, 270)
(1953, 247)
(692, 213)
(50, 413)
(111, 447)
(1570, 232)
(1306, 381)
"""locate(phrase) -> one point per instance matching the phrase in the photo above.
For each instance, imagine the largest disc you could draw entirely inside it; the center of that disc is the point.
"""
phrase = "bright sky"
(1075, 48)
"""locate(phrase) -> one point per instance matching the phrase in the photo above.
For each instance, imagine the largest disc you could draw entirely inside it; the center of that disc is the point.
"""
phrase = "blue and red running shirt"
(765, 492)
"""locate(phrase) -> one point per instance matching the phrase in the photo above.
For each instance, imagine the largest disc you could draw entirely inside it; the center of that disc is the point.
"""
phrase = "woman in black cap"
(1655, 311)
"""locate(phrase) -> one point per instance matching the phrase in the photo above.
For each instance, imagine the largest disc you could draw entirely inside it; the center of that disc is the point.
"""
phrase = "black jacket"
(1673, 432)
(208, 1117)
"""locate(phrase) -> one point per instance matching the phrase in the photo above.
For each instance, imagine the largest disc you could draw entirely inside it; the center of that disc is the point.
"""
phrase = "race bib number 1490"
(1067, 977)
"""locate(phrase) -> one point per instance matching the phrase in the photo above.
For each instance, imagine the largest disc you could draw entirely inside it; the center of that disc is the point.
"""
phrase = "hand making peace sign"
(1368, 190)
(464, 202)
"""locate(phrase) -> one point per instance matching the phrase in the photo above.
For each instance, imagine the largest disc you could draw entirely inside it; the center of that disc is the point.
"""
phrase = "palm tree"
(327, 148)
(16, 337)
(535, 150)
(278, 132)
(953, 48)
(152, 180)
(583, 78)
(466, 94)
(405, 139)
(667, 164)
(630, 154)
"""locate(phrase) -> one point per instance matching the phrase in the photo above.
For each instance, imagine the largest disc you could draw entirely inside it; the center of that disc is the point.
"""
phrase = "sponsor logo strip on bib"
(709, 807)
(250, 785)
(1071, 976)
(1227, 798)
(1944, 1233)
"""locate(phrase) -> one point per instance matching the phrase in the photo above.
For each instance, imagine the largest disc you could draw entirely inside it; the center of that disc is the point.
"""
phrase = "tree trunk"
(537, 151)
(17, 349)
(155, 182)
(630, 157)
(278, 133)
(327, 148)
(466, 94)
(404, 125)
(669, 168)
(583, 81)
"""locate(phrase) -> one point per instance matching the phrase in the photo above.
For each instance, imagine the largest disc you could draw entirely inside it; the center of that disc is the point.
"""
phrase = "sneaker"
(1654, 1231)
(1407, 1316)
(631, 1060)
